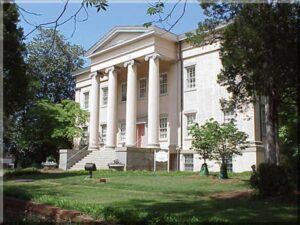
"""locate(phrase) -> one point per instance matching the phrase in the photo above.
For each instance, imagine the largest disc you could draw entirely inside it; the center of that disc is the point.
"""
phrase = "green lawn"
(136, 196)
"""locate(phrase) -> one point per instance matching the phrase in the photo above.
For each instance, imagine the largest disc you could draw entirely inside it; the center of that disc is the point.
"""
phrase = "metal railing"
(77, 156)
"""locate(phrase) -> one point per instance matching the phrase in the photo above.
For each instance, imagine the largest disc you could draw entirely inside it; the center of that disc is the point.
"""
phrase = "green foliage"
(15, 79)
(271, 180)
(16, 82)
(51, 60)
(99, 4)
(218, 141)
(155, 9)
(49, 127)
(21, 172)
(67, 116)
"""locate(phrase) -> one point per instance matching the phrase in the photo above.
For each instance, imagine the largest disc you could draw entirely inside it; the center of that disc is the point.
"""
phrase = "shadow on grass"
(233, 211)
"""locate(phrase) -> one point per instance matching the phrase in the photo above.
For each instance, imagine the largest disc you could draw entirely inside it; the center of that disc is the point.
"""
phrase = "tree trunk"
(272, 139)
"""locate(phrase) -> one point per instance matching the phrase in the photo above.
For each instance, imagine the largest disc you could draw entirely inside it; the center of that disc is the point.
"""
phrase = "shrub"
(270, 180)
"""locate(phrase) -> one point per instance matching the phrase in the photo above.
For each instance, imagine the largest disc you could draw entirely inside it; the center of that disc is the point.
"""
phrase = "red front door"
(140, 132)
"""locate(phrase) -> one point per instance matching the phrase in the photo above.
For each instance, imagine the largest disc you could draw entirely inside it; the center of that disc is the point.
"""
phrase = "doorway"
(140, 135)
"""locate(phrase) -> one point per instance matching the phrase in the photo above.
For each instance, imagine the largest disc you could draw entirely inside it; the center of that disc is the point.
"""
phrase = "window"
(104, 96)
(85, 137)
(163, 84)
(124, 92)
(103, 134)
(142, 88)
(123, 132)
(190, 77)
(163, 127)
(190, 120)
(86, 100)
(229, 116)
(229, 164)
(189, 162)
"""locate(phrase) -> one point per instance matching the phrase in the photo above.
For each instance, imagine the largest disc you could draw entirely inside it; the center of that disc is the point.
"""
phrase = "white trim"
(109, 35)
(118, 45)
(121, 58)
(190, 111)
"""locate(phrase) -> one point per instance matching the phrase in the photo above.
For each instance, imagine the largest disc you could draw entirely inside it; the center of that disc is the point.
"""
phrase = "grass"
(144, 196)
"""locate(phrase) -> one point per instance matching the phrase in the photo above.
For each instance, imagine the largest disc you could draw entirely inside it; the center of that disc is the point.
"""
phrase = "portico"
(112, 73)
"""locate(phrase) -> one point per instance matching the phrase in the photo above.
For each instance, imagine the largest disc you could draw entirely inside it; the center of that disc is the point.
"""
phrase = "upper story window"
(163, 84)
(124, 92)
(190, 77)
(86, 100)
(190, 120)
(142, 88)
(104, 95)
(123, 132)
(163, 127)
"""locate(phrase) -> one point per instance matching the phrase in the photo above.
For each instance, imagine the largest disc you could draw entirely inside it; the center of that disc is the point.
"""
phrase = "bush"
(271, 180)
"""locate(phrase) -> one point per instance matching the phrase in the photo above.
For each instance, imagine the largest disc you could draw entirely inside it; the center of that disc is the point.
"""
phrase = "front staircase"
(100, 157)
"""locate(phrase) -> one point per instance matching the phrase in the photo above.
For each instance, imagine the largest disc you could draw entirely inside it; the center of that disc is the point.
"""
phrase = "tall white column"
(131, 98)
(153, 100)
(94, 112)
(111, 107)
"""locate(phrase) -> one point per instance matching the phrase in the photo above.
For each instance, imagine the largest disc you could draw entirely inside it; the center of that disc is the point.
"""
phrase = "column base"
(131, 146)
(93, 148)
(110, 147)
(153, 145)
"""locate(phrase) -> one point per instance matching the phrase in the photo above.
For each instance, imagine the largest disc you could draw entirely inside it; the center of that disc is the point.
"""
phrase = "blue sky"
(117, 14)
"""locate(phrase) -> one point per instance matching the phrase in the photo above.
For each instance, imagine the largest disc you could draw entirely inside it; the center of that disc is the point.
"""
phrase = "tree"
(49, 127)
(203, 141)
(16, 82)
(259, 54)
(219, 142)
(52, 66)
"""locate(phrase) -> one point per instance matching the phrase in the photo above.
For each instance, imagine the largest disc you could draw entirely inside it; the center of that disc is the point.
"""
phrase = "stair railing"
(81, 153)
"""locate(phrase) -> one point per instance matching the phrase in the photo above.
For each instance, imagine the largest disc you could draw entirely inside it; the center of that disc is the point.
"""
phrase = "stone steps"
(100, 157)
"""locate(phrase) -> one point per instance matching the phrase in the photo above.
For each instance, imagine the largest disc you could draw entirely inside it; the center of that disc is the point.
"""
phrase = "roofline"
(182, 37)
(164, 33)
(81, 71)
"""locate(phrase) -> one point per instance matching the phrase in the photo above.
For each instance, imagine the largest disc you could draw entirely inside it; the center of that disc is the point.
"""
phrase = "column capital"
(110, 69)
(94, 74)
(131, 63)
(153, 56)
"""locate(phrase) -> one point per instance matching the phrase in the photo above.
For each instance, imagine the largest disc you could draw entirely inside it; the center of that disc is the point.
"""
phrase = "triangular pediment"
(117, 36)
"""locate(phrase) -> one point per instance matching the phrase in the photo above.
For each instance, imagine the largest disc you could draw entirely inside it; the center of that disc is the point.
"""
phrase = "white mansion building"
(144, 88)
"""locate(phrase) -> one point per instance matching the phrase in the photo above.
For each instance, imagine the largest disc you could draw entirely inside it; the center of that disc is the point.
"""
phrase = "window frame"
(194, 114)
(104, 102)
(188, 82)
(166, 84)
(187, 163)
(86, 100)
(165, 137)
(139, 90)
(124, 84)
